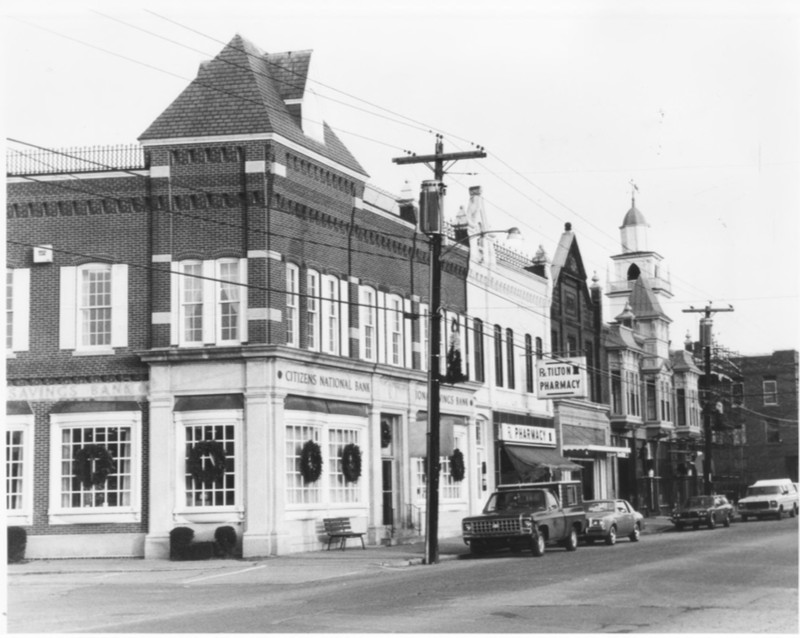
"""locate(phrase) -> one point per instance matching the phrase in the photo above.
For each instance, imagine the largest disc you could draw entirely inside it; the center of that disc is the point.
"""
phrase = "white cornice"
(256, 137)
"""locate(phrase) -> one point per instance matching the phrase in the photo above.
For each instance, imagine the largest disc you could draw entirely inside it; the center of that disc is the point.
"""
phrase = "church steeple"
(633, 232)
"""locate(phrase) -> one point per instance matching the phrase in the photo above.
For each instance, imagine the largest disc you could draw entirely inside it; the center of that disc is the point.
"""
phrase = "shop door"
(388, 492)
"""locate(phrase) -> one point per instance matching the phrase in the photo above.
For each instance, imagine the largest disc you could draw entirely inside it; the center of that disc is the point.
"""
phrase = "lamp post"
(431, 223)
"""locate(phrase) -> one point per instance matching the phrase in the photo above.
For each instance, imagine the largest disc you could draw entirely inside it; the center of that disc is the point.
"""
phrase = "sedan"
(610, 519)
(703, 510)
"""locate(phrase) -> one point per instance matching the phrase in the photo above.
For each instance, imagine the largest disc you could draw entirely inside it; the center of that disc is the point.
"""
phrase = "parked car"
(527, 517)
(772, 498)
(703, 510)
(610, 519)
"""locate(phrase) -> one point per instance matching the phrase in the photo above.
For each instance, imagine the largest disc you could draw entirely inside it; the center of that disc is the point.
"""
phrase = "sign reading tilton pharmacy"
(561, 379)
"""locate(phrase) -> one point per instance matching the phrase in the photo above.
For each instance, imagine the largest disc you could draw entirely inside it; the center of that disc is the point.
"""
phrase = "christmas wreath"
(351, 462)
(386, 434)
(211, 471)
(457, 465)
(93, 464)
(310, 461)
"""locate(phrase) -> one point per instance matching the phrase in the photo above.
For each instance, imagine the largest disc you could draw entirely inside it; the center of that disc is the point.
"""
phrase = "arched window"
(633, 272)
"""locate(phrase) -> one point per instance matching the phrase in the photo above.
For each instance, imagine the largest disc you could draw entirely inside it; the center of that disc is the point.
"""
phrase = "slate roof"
(683, 361)
(643, 300)
(242, 92)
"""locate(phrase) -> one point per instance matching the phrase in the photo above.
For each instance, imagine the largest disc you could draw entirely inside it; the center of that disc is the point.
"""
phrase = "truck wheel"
(727, 521)
(793, 512)
(744, 518)
(537, 545)
(634, 535)
(779, 516)
(571, 544)
(611, 537)
(712, 522)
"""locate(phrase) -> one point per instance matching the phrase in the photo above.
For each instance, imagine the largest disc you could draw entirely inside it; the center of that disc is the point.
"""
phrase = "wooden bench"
(340, 528)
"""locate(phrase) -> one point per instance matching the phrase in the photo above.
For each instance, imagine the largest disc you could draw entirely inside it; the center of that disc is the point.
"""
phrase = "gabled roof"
(567, 247)
(242, 92)
(643, 301)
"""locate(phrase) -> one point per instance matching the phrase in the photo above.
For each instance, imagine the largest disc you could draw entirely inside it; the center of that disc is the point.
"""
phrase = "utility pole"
(705, 342)
(431, 218)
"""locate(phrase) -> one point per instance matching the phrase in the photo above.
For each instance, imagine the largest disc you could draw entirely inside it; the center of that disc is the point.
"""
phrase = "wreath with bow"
(214, 470)
(310, 461)
(457, 465)
(351, 462)
(93, 464)
(386, 434)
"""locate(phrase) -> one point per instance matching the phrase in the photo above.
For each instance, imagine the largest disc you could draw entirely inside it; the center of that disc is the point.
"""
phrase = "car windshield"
(699, 501)
(599, 506)
(760, 490)
(503, 501)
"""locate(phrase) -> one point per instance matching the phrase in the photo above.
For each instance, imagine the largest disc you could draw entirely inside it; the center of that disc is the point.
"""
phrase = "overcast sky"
(695, 102)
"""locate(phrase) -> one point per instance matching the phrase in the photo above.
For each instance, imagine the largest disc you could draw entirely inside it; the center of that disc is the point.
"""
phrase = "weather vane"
(634, 190)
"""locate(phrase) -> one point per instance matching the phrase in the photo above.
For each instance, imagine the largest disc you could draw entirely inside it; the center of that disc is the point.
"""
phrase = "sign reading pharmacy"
(528, 434)
(563, 378)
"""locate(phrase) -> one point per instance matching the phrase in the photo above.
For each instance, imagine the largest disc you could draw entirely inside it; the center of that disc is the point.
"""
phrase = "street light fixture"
(431, 224)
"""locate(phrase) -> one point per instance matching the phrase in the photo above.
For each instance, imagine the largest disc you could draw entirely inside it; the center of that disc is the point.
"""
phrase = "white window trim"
(69, 322)
(323, 424)
(211, 285)
(344, 318)
(25, 424)
(20, 309)
(178, 288)
(394, 316)
(368, 300)
(242, 290)
(331, 308)
(191, 418)
(292, 301)
(313, 331)
(72, 516)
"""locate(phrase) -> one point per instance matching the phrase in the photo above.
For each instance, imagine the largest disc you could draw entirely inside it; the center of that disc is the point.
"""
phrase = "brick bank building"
(193, 330)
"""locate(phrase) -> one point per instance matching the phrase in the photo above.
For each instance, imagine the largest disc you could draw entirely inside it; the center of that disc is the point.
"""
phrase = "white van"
(774, 497)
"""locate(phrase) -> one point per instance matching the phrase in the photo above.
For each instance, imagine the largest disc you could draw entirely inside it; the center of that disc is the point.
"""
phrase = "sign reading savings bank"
(560, 379)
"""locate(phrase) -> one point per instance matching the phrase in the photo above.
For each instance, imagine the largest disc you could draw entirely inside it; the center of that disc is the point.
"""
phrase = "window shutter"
(243, 295)
(175, 289)
(67, 308)
(119, 305)
(22, 308)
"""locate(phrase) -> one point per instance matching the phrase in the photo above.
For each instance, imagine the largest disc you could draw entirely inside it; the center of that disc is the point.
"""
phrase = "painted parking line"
(241, 571)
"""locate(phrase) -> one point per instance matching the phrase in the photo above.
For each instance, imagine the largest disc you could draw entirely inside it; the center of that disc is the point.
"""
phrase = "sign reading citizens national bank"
(560, 379)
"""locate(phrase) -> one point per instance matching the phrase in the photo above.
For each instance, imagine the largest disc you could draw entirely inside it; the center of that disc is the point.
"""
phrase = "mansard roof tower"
(639, 284)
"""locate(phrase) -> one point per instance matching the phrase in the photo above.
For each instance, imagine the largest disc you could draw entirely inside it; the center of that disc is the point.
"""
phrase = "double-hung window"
(331, 332)
(424, 324)
(770, 387)
(395, 324)
(209, 302)
(498, 356)
(17, 309)
(312, 310)
(19, 469)
(292, 305)
(94, 307)
(191, 317)
(510, 358)
(369, 344)
(477, 331)
(95, 467)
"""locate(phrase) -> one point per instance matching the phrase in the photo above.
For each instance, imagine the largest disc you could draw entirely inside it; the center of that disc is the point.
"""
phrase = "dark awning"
(527, 459)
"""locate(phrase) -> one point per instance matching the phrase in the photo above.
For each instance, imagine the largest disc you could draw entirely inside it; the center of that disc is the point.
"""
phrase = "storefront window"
(298, 491)
(341, 490)
(208, 493)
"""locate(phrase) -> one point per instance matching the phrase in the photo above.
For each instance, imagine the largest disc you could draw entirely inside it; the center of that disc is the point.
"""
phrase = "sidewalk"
(331, 562)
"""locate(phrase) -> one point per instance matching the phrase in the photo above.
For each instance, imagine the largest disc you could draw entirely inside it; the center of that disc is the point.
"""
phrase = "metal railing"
(75, 160)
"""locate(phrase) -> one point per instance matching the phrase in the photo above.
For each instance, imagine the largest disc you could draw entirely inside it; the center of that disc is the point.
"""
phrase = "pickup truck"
(528, 516)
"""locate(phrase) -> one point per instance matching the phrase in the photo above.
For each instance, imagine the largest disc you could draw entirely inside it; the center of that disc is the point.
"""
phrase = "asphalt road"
(741, 579)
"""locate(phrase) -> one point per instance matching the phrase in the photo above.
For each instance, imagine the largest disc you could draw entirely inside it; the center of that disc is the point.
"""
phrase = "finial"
(634, 189)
